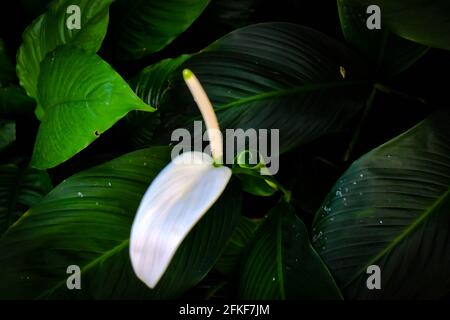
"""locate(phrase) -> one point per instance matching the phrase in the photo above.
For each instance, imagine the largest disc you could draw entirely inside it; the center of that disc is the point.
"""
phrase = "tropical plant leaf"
(236, 246)
(49, 31)
(151, 85)
(80, 96)
(388, 53)
(391, 208)
(282, 264)
(153, 82)
(424, 22)
(146, 27)
(20, 188)
(273, 76)
(86, 221)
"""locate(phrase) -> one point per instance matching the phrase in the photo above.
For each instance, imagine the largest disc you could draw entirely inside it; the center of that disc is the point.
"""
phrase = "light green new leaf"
(20, 188)
(50, 30)
(282, 264)
(86, 221)
(388, 53)
(80, 96)
(421, 21)
(391, 208)
(145, 27)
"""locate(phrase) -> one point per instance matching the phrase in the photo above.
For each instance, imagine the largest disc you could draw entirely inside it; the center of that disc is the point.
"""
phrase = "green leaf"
(388, 53)
(7, 72)
(14, 101)
(282, 264)
(86, 221)
(151, 85)
(153, 82)
(424, 22)
(20, 188)
(7, 133)
(80, 96)
(49, 31)
(233, 253)
(391, 208)
(146, 27)
(275, 76)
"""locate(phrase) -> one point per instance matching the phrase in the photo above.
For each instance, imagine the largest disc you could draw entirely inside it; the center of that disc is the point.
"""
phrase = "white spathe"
(175, 201)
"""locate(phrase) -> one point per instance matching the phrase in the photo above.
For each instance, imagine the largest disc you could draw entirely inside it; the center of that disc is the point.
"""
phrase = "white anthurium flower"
(178, 198)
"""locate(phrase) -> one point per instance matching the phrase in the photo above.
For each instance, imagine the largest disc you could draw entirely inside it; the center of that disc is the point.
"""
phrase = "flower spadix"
(178, 198)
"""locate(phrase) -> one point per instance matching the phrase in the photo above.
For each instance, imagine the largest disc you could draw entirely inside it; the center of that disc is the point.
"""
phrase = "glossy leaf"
(50, 30)
(391, 208)
(146, 27)
(80, 96)
(173, 204)
(274, 76)
(387, 53)
(20, 188)
(235, 249)
(424, 22)
(282, 264)
(86, 221)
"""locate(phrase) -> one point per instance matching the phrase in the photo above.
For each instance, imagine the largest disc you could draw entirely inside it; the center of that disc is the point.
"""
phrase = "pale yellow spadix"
(208, 114)
(177, 199)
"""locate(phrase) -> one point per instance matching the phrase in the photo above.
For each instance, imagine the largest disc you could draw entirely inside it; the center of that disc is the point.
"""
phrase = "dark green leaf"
(421, 21)
(282, 264)
(49, 31)
(20, 188)
(151, 85)
(81, 97)
(233, 252)
(391, 208)
(86, 221)
(154, 82)
(145, 27)
(388, 53)
(275, 76)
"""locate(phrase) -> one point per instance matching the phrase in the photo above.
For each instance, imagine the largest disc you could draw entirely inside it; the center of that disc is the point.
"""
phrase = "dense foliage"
(86, 117)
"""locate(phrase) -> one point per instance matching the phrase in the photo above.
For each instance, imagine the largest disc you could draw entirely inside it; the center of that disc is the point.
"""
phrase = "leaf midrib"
(88, 266)
(405, 233)
(294, 90)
